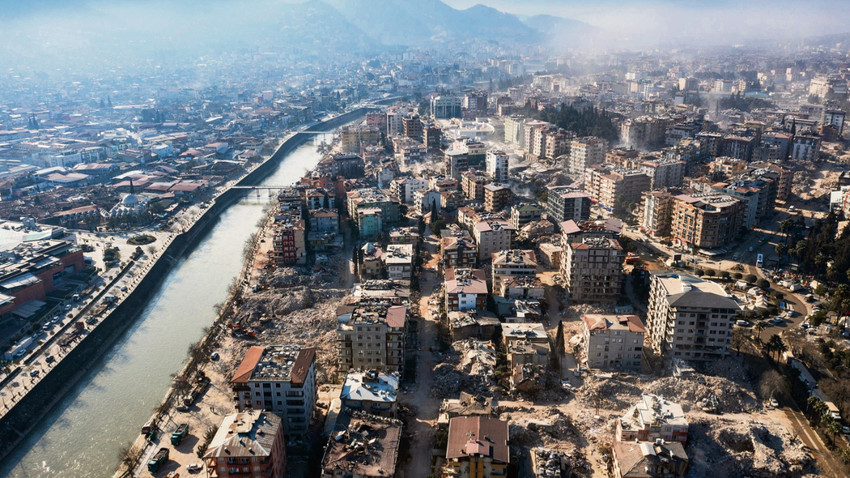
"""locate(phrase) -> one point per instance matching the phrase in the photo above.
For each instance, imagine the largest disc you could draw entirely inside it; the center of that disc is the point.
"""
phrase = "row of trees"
(584, 122)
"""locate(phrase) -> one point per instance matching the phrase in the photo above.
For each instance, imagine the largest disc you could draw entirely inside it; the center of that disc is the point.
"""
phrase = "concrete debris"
(723, 447)
(469, 366)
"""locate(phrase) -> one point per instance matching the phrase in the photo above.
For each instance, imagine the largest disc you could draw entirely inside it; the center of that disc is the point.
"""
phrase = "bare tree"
(738, 340)
(127, 456)
(773, 384)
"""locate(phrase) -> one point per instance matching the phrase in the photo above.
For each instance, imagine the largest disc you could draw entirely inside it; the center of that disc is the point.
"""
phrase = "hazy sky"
(732, 19)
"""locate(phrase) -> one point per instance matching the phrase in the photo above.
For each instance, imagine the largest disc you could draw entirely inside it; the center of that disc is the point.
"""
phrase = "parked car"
(773, 402)
(742, 323)
(778, 320)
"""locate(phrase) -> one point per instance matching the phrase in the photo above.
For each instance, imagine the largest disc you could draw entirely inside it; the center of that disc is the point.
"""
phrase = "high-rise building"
(432, 137)
(593, 270)
(706, 221)
(689, 318)
(446, 107)
(497, 166)
(371, 337)
(515, 130)
(412, 127)
(614, 188)
(279, 379)
(585, 152)
(564, 203)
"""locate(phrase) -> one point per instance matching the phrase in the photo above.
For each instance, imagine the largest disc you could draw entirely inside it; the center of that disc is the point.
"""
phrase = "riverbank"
(86, 357)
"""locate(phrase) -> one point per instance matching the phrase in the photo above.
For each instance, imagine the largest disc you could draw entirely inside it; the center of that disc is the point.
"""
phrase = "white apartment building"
(613, 341)
(689, 318)
(497, 163)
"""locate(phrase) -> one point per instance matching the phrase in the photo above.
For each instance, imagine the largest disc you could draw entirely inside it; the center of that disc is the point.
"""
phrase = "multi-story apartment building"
(564, 203)
(351, 137)
(557, 143)
(615, 188)
(477, 448)
(585, 152)
(403, 188)
(497, 163)
(372, 198)
(522, 214)
(250, 444)
(593, 270)
(455, 163)
(279, 379)
(432, 137)
(407, 151)
(657, 214)
(412, 127)
(689, 318)
(398, 261)
(496, 197)
(653, 418)
(705, 221)
(626, 158)
(371, 337)
(446, 107)
(289, 242)
(515, 130)
(458, 250)
(805, 147)
(492, 236)
(377, 119)
(512, 263)
(472, 183)
(346, 165)
(664, 173)
(613, 341)
(466, 289)
(475, 102)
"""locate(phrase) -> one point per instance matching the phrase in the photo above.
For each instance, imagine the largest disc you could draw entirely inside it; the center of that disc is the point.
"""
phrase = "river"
(83, 435)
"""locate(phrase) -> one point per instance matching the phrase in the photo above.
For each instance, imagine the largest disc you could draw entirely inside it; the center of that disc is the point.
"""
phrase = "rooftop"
(275, 363)
(479, 436)
(245, 434)
(370, 386)
(631, 323)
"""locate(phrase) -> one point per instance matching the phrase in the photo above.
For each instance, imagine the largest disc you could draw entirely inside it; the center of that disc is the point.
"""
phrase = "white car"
(194, 467)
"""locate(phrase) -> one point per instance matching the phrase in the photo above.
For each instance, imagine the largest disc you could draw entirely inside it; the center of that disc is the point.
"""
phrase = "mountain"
(410, 22)
(559, 31)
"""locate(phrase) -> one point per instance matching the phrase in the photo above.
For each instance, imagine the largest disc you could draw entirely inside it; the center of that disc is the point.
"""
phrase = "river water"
(82, 436)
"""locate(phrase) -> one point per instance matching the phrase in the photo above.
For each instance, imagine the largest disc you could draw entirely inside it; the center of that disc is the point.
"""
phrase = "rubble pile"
(612, 392)
(309, 327)
(470, 367)
(733, 448)
(731, 397)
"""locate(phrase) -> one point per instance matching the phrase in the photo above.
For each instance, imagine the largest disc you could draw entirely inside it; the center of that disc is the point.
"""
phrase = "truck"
(199, 387)
(160, 457)
(179, 433)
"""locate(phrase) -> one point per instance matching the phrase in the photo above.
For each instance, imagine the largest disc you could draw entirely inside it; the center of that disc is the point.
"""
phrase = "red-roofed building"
(280, 379)
(613, 341)
(477, 447)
